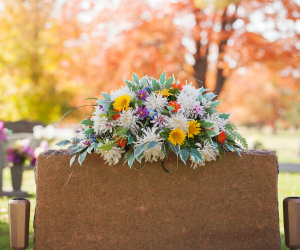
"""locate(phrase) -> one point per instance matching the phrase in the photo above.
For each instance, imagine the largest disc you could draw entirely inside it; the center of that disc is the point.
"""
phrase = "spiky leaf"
(130, 160)
(211, 133)
(107, 146)
(224, 116)
(129, 84)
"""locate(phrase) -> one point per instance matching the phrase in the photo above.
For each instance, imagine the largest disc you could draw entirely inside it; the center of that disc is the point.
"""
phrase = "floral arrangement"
(4, 132)
(146, 118)
(21, 154)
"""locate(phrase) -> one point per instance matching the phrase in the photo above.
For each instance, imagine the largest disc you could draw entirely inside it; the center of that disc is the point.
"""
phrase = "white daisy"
(102, 124)
(156, 101)
(187, 98)
(177, 120)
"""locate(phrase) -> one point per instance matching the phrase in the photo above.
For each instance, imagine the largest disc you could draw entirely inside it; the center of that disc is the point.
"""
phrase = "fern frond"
(234, 135)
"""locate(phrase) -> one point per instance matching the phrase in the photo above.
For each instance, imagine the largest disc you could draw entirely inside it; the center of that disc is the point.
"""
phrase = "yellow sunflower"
(122, 102)
(164, 92)
(177, 136)
(193, 128)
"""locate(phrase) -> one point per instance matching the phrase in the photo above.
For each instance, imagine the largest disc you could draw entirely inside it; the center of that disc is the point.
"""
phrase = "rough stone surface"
(224, 205)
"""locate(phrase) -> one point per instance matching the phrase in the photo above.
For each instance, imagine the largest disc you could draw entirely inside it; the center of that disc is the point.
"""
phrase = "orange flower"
(177, 85)
(175, 105)
(222, 137)
(115, 117)
(209, 129)
(121, 142)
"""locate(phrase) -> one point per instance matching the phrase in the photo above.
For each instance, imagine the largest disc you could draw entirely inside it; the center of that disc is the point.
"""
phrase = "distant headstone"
(22, 126)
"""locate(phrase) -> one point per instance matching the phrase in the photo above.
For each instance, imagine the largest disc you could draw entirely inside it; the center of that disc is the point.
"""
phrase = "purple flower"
(142, 112)
(87, 143)
(199, 110)
(142, 94)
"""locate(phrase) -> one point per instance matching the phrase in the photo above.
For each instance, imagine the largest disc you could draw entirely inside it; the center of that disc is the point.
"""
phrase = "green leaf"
(224, 116)
(129, 84)
(96, 145)
(72, 146)
(209, 96)
(164, 112)
(162, 78)
(202, 90)
(72, 160)
(76, 150)
(138, 150)
(90, 98)
(106, 107)
(169, 82)
(89, 131)
(206, 125)
(90, 148)
(196, 159)
(155, 84)
(215, 104)
(176, 149)
(130, 160)
(143, 81)
(151, 145)
(200, 98)
(165, 149)
(215, 144)
(101, 102)
(170, 108)
(130, 139)
(211, 133)
(139, 158)
(238, 152)
(220, 152)
(107, 146)
(197, 153)
(122, 132)
(135, 78)
(106, 96)
(63, 143)
(82, 157)
(212, 110)
(230, 148)
(184, 155)
(87, 122)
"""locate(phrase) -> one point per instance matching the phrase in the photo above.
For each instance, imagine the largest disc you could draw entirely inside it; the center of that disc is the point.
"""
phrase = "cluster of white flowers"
(187, 98)
(128, 118)
(122, 91)
(178, 120)
(150, 134)
(156, 101)
(219, 123)
(208, 153)
(112, 156)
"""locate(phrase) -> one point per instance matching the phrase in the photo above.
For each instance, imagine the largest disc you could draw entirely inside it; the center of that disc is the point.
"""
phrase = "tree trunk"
(200, 66)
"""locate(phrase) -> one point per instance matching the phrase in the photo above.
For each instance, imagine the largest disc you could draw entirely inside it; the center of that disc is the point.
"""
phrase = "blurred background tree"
(53, 54)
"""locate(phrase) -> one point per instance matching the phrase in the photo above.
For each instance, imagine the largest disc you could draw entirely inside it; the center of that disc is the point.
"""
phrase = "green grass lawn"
(288, 185)
(285, 143)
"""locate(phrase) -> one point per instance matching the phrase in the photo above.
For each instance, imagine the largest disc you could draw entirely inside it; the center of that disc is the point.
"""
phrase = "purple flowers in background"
(3, 135)
(142, 94)
(21, 153)
(142, 112)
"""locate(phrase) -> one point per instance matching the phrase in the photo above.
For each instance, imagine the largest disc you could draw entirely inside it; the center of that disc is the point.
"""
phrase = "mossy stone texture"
(230, 204)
